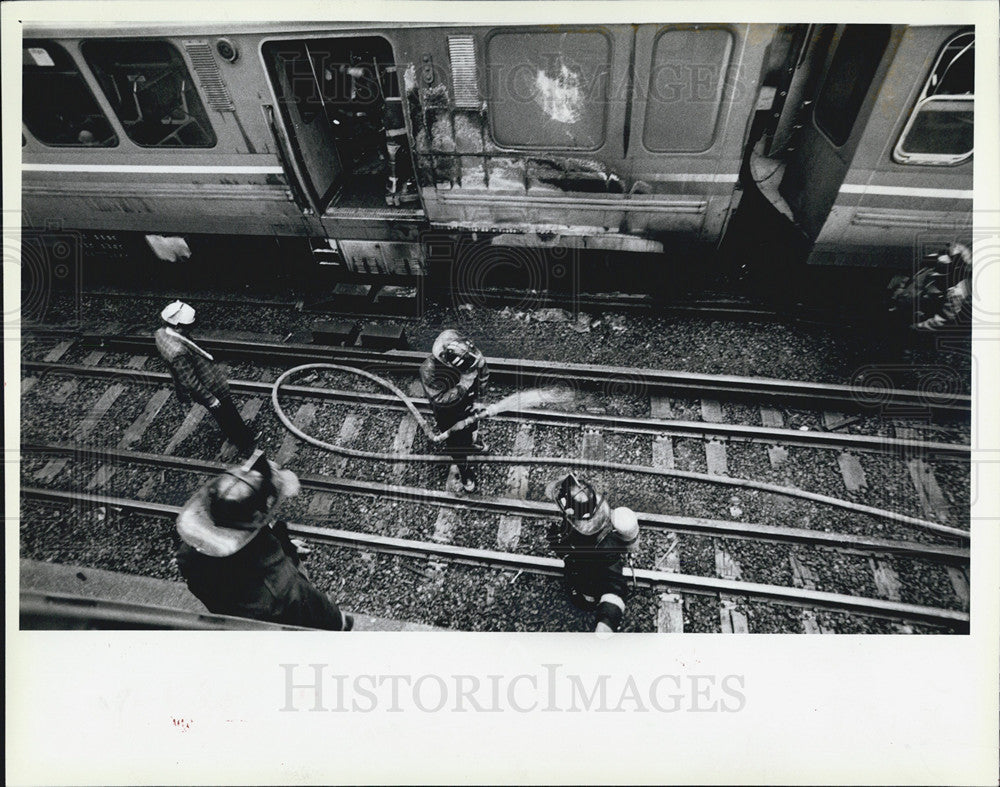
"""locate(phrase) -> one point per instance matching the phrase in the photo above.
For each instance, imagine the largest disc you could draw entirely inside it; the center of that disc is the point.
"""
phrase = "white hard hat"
(626, 523)
(178, 313)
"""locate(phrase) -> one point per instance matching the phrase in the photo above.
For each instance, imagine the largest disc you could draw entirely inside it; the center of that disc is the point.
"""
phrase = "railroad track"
(876, 397)
(734, 308)
(481, 558)
(880, 552)
(747, 433)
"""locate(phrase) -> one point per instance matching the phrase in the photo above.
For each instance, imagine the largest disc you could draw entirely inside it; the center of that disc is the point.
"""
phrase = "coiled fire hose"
(436, 437)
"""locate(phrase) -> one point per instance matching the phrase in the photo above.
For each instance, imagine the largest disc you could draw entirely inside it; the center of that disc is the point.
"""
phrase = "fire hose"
(510, 404)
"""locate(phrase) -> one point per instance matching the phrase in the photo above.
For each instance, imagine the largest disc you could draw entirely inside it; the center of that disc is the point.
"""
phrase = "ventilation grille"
(462, 51)
(212, 86)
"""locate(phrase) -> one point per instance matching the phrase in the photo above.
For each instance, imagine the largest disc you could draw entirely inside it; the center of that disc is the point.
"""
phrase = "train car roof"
(87, 29)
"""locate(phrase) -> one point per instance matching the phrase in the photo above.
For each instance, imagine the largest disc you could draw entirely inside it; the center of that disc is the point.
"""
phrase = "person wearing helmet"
(935, 295)
(594, 542)
(453, 377)
(236, 562)
(196, 376)
(955, 277)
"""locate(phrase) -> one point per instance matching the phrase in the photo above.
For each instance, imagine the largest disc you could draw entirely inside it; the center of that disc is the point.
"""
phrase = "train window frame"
(41, 50)
(838, 140)
(899, 154)
(721, 87)
(491, 92)
(188, 102)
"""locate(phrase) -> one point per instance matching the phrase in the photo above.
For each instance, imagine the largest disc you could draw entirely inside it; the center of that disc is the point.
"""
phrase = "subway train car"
(360, 145)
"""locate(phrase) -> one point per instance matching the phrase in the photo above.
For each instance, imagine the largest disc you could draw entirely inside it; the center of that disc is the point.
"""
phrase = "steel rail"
(45, 605)
(799, 597)
(526, 372)
(498, 505)
(613, 423)
(708, 478)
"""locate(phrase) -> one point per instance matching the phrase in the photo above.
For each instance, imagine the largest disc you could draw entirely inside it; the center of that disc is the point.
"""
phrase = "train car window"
(685, 90)
(548, 90)
(848, 79)
(151, 91)
(940, 128)
(58, 106)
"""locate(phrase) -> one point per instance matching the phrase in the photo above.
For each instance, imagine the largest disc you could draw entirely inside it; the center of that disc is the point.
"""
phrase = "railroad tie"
(659, 407)
(773, 418)
(93, 358)
(132, 435)
(403, 442)
(803, 577)
(303, 418)
(509, 529)
(960, 582)
(444, 525)
(137, 362)
(447, 518)
(248, 413)
(322, 502)
(663, 445)
(832, 420)
(58, 351)
(98, 411)
(711, 411)
(731, 619)
(852, 472)
(726, 567)
(932, 500)
(670, 607)
(715, 457)
(186, 429)
(27, 384)
(887, 585)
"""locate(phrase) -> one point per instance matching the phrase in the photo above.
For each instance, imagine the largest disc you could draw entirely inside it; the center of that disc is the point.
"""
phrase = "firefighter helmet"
(454, 350)
(236, 496)
(178, 313)
(583, 507)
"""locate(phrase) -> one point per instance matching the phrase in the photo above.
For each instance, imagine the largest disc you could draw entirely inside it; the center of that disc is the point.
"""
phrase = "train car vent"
(212, 86)
(462, 51)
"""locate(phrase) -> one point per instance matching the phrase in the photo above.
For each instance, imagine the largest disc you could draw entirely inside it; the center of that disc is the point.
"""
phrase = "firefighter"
(196, 376)
(238, 563)
(594, 543)
(955, 276)
(453, 377)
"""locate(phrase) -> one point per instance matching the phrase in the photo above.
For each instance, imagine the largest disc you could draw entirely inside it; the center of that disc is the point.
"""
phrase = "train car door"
(853, 69)
(694, 89)
(345, 133)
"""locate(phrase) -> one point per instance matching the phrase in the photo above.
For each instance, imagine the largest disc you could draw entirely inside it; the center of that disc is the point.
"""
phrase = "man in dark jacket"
(196, 376)
(594, 543)
(453, 377)
(237, 563)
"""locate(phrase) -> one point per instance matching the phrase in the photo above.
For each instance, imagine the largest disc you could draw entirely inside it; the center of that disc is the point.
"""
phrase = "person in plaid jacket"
(195, 374)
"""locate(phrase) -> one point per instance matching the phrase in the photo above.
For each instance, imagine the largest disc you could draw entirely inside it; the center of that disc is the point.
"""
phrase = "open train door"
(304, 134)
(852, 63)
